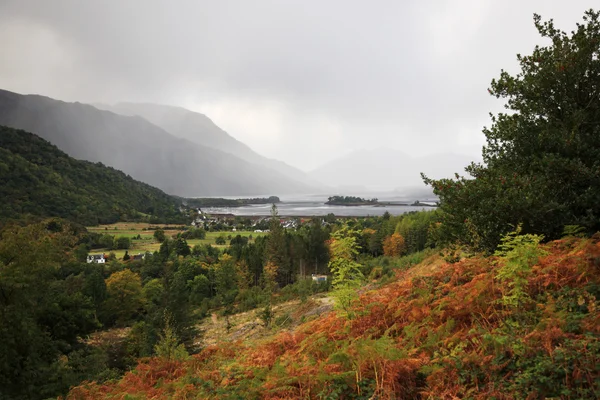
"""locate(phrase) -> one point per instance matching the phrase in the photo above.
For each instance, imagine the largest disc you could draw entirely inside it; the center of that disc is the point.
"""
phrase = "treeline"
(220, 202)
(39, 180)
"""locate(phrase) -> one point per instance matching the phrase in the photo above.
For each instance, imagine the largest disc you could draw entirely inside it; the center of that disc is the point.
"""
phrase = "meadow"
(146, 241)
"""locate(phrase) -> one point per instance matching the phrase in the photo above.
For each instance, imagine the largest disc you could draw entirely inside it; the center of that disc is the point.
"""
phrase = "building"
(319, 278)
(96, 259)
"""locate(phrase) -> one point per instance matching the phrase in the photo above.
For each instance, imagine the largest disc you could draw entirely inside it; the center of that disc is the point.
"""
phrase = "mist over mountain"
(386, 169)
(200, 129)
(141, 149)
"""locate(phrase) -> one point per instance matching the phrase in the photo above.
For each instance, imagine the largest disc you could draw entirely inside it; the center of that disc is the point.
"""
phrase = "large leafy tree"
(542, 158)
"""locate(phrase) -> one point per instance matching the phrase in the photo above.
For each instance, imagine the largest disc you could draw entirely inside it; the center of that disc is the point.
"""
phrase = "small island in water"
(350, 201)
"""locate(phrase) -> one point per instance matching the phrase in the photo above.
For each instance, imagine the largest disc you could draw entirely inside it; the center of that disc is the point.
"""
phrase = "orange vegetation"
(445, 334)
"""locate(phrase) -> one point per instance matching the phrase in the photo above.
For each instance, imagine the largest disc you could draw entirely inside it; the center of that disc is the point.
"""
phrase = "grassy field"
(147, 241)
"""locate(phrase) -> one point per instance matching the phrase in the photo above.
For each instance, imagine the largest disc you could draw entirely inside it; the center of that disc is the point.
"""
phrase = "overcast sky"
(301, 81)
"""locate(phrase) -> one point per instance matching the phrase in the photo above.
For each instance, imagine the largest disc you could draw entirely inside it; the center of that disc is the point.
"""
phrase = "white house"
(319, 278)
(96, 259)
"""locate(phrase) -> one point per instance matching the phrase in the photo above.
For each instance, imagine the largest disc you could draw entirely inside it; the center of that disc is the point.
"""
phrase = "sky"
(301, 81)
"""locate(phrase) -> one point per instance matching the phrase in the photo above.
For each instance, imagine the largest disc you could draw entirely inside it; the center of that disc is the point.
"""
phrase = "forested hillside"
(141, 149)
(37, 179)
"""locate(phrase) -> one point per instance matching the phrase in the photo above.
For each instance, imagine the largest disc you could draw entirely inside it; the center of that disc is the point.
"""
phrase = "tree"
(125, 297)
(220, 240)
(181, 247)
(542, 158)
(276, 251)
(159, 235)
(347, 273)
(393, 245)
(122, 243)
(168, 347)
(225, 280)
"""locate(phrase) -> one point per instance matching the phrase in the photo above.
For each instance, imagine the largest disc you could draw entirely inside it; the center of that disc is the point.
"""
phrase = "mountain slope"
(36, 178)
(200, 129)
(385, 169)
(140, 149)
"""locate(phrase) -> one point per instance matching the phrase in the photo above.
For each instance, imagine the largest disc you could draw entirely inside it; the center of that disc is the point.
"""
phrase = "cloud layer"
(301, 81)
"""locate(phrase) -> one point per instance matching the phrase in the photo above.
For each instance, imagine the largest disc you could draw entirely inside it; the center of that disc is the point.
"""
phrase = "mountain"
(145, 151)
(200, 129)
(385, 169)
(38, 179)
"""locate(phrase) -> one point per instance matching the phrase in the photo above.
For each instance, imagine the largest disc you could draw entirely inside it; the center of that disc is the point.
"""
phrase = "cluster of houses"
(101, 258)
(228, 221)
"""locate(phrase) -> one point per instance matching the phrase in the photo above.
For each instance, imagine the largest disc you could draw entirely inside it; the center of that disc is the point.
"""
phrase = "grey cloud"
(401, 74)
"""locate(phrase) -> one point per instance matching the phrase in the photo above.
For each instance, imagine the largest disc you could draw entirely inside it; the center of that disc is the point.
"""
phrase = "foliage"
(347, 273)
(220, 240)
(542, 158)
(125, 298)
(122, 243)
(168, 347)
(519, 254)
(276, 250)
(393, 245)
(443, 333)
(44, 309)
(38, 179)
(159, 235)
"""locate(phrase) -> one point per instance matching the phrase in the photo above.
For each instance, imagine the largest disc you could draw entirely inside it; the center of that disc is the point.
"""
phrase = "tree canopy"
(541, 164)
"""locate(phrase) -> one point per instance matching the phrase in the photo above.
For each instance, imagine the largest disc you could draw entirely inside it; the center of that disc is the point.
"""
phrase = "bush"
(220, 240)
(122, 243)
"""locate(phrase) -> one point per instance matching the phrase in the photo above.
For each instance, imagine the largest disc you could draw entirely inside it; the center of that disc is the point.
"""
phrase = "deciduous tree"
(393, 245)
(125, 297)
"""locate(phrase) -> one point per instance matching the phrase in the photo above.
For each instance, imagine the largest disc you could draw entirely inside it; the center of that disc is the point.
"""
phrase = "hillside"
(38, 179)
(140, 149)
(521, 325)
(200, 129)
(386, 169)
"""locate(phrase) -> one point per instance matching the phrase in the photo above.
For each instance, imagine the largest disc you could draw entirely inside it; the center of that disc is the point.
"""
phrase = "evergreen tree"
(276, 251)
(542, 158)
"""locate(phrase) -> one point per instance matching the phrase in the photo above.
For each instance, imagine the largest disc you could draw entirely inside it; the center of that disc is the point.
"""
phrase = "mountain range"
(185, 153)
(183, 166)
(200, 129)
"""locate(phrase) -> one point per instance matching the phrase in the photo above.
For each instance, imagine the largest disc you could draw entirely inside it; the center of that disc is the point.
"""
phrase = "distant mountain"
(37, 179)
(200, 129)
(386, 169)
(141, 149)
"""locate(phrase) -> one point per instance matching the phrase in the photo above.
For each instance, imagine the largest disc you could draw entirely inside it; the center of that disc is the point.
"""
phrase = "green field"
(147, 241)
